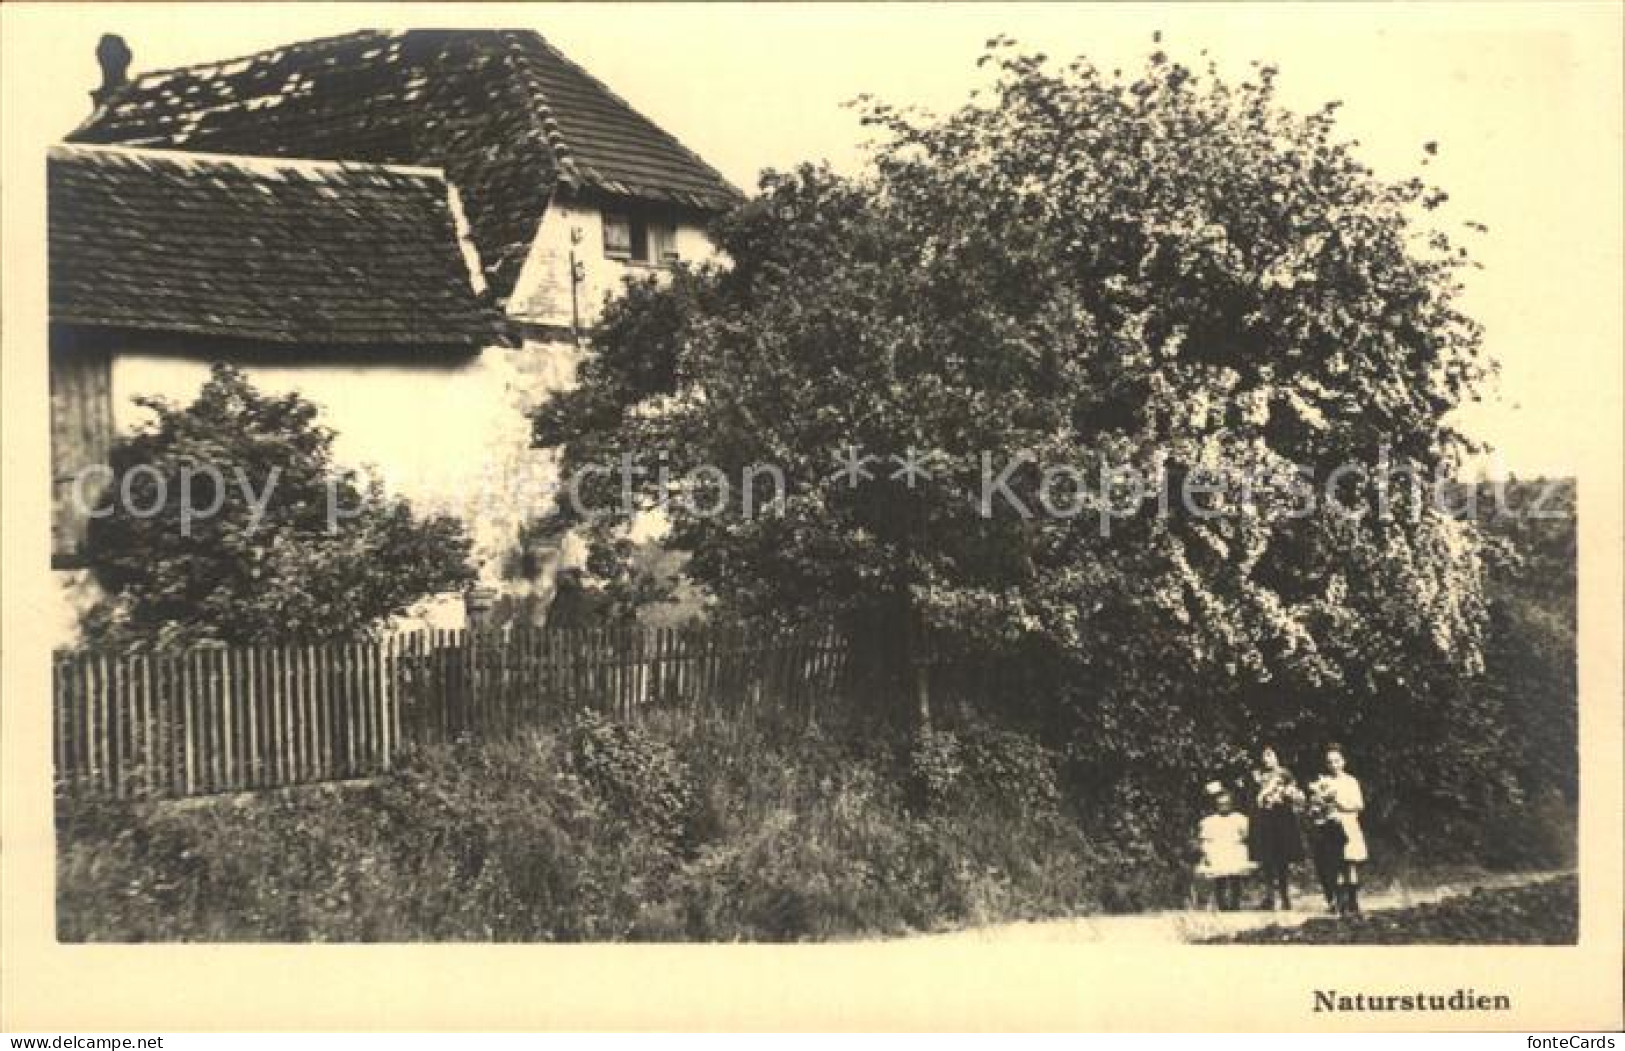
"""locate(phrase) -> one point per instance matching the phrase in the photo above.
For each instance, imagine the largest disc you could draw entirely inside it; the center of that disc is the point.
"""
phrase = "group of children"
(1235, 845)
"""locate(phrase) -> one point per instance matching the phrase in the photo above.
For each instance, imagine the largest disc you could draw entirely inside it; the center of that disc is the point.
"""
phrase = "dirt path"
(1183, 925)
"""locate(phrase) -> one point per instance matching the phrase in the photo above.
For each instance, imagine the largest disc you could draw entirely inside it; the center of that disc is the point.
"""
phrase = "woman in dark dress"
(1326, 841)
(1277, 842)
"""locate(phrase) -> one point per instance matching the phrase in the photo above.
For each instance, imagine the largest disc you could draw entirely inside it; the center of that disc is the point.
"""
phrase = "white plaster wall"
(450, 436)
(542, 293)
(73, 594)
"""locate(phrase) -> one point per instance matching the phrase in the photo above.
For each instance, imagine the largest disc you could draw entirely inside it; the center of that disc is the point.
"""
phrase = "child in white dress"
(1347, 802)
(1222, 840)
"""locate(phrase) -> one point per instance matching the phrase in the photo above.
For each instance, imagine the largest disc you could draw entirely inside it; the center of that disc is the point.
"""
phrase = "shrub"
(983, 765)
(639, 777)
(1012, 767)
(268, 568)
(936, 766)
(1139, 836)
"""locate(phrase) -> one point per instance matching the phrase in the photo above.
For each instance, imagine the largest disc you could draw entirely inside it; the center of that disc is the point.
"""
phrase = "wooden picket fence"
(239, 718)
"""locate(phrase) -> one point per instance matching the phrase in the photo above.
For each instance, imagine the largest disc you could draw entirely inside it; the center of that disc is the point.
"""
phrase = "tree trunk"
(916, 673)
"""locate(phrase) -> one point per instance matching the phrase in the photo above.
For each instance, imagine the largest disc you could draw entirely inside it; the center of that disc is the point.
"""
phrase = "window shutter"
(617, 235)
(665, 243)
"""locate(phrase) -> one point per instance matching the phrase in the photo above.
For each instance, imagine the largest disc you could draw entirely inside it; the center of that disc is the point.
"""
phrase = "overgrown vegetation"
(1542, 914)
(600, 831)
(234, 524)
(595, 830)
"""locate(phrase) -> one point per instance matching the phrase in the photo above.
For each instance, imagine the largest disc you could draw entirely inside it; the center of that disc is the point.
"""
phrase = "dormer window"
(635, 238)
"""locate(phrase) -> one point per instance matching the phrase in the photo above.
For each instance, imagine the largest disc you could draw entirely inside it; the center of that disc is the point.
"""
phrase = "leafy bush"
(314, 554)
(983, 764)
(1140, 835)
(639, 777)
(937, 766)
(526, 849)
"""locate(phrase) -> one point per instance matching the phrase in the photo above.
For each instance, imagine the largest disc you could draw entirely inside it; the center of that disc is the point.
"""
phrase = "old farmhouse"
(413, 229)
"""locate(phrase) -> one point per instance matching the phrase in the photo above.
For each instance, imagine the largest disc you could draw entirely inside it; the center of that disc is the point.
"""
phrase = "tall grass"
(589, 830)
(709, 828)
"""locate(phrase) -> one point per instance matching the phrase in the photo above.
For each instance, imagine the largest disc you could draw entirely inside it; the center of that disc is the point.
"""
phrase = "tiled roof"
(502, 112)
(263, 249)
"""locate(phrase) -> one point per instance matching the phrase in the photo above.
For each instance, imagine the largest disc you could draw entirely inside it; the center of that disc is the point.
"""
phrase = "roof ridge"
(147, 80)
(248, 162)
(615, 97)
(216, 65)
(539, 111)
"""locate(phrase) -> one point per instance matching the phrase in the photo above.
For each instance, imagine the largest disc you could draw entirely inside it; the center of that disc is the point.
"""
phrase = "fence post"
(62, 681)
(387, 700)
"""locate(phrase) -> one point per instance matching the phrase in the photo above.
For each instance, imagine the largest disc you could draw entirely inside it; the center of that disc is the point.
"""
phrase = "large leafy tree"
(1170, 276)
(228, 521)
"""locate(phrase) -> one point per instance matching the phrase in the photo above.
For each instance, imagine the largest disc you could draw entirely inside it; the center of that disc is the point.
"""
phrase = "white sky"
(1524, 102)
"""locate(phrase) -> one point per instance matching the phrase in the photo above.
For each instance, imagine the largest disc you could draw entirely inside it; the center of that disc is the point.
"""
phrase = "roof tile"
(503, 112)
(266, 249)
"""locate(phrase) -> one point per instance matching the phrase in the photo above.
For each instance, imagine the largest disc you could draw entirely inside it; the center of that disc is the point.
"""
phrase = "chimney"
(114, 55)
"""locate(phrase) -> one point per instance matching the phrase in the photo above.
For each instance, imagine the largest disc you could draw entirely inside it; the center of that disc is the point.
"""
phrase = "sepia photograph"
(963, 482)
